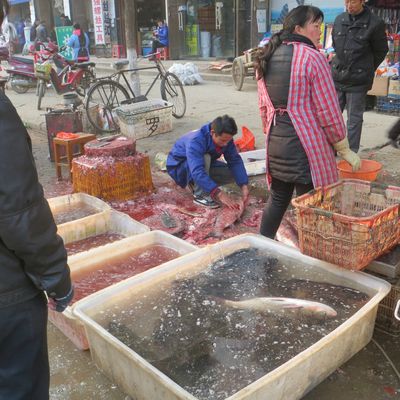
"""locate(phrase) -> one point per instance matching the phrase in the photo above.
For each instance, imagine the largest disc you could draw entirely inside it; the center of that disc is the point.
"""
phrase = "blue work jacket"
(162, 34)
(185, 161)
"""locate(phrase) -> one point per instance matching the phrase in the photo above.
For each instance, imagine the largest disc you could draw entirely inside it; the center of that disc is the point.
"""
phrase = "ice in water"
(185, 330)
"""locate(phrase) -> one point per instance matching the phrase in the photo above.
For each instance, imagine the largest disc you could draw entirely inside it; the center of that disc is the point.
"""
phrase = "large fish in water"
(283, 304)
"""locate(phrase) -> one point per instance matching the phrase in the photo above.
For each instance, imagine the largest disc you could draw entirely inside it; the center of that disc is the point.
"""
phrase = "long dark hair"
(4, 8)
(298, 16)
(81, 37)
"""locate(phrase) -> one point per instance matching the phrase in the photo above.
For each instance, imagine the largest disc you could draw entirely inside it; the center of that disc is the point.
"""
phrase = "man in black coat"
(33, 263)
(360, 45)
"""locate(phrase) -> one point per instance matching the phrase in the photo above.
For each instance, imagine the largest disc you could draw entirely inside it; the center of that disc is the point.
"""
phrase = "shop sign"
(101, 21)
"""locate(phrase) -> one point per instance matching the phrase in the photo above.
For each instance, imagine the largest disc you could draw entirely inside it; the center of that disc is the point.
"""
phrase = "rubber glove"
(343, 149)
(60, 304)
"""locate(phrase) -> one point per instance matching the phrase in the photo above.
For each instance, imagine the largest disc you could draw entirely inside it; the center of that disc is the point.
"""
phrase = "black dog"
(394, 134)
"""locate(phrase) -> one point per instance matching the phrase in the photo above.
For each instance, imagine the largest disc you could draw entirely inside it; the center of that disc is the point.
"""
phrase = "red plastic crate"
(349, 223)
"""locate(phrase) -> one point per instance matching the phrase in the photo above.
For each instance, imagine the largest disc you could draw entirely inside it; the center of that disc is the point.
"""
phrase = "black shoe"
(205, 201)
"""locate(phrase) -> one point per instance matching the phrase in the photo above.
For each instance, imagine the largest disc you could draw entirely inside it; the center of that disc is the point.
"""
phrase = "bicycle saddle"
(86, 64)
(120, 64)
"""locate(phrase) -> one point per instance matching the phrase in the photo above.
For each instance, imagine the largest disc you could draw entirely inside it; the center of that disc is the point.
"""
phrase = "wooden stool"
(164, 53)
(68, 145)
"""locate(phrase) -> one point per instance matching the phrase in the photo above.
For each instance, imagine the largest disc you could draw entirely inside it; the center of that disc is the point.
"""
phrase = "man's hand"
(60, 304)
(228, 201)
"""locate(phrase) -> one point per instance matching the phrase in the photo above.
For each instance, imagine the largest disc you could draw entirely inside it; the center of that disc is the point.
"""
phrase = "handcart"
(243, 66)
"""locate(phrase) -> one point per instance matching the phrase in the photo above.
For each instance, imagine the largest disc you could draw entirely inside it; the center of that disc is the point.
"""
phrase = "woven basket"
(349, 223)
(42, 71)
(144, 119)
(111, 178)
(385, 319)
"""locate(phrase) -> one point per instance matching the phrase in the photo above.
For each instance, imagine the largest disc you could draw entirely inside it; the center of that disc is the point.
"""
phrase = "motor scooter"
(21, 70)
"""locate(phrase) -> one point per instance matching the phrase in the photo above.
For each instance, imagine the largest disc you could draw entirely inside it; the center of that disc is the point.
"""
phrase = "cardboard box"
(380, 86)
(394, 89)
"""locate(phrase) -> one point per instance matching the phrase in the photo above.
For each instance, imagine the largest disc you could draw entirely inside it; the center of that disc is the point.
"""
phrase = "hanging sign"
(98, 22)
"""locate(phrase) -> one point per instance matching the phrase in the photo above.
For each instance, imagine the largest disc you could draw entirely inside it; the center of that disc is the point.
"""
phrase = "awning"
(14, 2)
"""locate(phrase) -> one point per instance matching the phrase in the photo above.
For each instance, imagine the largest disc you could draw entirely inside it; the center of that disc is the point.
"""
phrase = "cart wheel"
(238, 73)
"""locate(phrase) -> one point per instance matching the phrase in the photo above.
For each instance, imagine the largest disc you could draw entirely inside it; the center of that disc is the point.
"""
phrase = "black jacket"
(361, 45)
(287, 159)
(32, 255)
(394, 132)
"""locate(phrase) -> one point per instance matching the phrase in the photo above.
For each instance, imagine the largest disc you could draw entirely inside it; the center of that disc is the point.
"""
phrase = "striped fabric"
(314, 109)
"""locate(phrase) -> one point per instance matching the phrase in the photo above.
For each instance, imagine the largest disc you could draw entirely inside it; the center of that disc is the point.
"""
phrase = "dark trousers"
(156, 44)
(24, 363)
(278, 201)
(355, 107)
(218, 171)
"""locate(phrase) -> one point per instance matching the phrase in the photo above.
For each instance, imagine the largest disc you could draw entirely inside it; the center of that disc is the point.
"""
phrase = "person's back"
(79, 41)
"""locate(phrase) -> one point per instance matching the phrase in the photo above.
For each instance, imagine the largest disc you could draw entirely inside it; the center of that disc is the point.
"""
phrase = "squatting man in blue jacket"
(193, 161)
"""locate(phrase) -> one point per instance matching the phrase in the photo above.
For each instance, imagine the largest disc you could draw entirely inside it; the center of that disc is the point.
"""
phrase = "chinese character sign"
(63, 34)
(98, 22)
(101, 21)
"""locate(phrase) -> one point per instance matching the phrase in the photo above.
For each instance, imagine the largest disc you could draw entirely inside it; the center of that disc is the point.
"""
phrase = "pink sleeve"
(325, 100)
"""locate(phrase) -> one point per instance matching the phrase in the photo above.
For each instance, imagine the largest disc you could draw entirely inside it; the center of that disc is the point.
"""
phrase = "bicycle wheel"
(87, 79)
(41, 89)
(172, 91)
(102, 98)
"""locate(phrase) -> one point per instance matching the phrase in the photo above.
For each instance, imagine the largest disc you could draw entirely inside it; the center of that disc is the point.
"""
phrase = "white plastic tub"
(58, 204)
(254, 161)
(291, 380)
(88, 261)
(110, 221)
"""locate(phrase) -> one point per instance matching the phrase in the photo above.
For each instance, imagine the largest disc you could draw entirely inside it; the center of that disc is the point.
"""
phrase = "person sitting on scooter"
(79, 41)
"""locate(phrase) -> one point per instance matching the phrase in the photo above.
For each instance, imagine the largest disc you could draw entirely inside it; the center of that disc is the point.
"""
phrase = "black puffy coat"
(32, 255)
(287, 159)
(361, 45)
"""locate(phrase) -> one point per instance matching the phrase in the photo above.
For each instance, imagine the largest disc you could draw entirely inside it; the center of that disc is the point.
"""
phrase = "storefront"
(215, 28)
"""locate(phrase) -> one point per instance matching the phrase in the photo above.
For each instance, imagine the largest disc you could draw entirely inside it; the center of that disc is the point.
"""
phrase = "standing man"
(360, 44)
(33, 263)
(193, 161)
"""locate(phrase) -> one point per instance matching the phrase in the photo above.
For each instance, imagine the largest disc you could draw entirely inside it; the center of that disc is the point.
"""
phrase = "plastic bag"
(188, 74)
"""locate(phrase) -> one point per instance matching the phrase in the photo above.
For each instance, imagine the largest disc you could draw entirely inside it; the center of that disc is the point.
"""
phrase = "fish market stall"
(246, 318)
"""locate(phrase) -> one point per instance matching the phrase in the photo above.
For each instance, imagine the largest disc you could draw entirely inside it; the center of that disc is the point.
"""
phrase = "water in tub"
(190, 331)
(92, 241)
(118, 268)
(73, 211)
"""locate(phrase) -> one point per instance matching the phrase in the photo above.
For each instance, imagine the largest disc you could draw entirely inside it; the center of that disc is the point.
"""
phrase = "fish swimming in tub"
(283, 304)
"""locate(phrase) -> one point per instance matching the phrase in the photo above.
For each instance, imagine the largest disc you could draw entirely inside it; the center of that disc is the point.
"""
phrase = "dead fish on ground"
(226, 217)
(282, 304)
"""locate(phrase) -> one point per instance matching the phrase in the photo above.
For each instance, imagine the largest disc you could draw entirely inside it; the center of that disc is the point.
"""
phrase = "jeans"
(278, 201)
(218, 172)
(355, 106)
(24, 363)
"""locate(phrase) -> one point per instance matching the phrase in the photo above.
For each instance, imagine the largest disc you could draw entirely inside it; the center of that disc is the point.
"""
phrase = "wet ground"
(368, 375)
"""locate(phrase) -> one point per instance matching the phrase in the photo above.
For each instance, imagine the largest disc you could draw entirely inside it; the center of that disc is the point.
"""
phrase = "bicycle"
(75, 77)
(108, 93)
